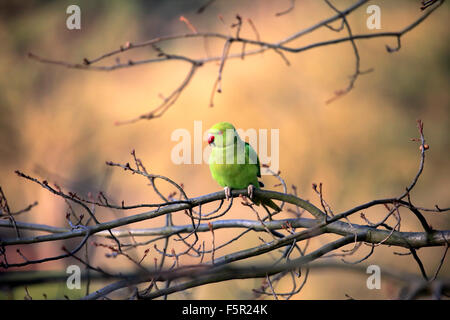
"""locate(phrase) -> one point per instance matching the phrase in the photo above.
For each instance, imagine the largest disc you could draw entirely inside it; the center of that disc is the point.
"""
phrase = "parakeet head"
(221, 134)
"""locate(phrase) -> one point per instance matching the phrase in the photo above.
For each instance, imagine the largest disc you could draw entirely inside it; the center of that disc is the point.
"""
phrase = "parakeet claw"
(227, 193)
(250, 190)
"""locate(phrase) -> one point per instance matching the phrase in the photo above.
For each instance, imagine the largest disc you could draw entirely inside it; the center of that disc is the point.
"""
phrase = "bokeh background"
(58, 124)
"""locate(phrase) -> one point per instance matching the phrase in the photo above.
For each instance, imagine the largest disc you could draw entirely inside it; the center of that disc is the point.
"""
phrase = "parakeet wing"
(248, 152)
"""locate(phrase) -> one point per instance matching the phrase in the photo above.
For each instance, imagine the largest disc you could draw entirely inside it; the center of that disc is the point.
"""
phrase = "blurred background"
(57, 124)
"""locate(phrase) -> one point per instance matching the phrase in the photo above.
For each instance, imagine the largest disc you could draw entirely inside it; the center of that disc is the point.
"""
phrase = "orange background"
(58, 124)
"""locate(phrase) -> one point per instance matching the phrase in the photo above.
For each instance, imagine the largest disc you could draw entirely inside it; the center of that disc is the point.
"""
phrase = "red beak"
(210, 139)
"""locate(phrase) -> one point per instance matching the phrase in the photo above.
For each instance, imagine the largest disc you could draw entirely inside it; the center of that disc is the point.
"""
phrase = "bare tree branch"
(278, 46)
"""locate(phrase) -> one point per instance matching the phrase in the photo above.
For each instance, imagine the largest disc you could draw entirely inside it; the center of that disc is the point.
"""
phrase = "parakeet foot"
(250, 190)
(227, 193)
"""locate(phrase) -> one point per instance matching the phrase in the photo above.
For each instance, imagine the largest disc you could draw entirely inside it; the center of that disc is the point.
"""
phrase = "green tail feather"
(268, 203)
(271, 204)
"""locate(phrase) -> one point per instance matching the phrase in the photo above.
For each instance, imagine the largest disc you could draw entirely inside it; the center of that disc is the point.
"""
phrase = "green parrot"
(233, 163)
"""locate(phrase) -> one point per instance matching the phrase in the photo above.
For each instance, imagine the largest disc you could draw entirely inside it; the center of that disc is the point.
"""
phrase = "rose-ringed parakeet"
(233, 163)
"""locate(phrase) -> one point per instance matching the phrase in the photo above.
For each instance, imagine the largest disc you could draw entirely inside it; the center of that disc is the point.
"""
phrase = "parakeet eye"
(210, 139)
